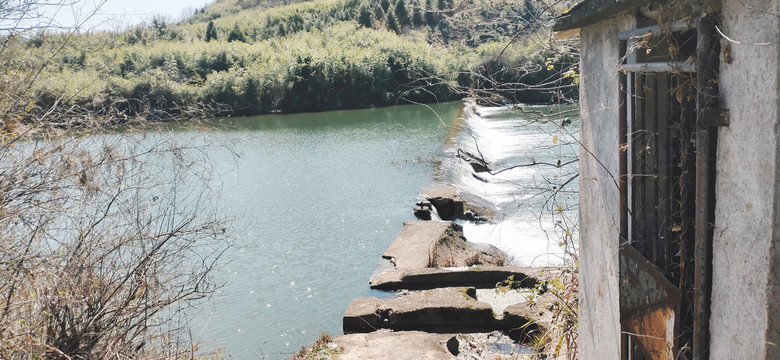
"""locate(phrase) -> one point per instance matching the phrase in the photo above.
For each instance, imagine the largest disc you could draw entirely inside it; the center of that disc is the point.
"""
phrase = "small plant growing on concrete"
(560, 341)
(321, 349)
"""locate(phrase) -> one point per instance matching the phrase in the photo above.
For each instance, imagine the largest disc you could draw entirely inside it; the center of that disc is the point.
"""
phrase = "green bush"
(289, 55)
(236, 34)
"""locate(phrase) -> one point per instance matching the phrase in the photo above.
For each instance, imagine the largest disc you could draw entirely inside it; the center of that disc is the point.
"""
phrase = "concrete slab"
(453, 205)
(441, 192)
(486, 276)
(424, 253)
(412, 247)
(523, 322)
(447, 202)
(438, 310)
(404, 345)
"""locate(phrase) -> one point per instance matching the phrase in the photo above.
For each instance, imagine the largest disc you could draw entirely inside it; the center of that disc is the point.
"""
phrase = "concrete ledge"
(412, 247)
(522, 323)
(429, 254)
(437, 310)
(405, 345)
(450, 205)
(443, 310)
(428, 278)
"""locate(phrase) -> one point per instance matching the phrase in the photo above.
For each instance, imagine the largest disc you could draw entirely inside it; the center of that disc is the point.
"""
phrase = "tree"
(392, 23)
(365, 18)
(417, 17)
(445, 5)
(211, 31)
(379, 14)
(444, 30)
(106, 239)
(236, 34)
(102, 247)
(401, 13)
(430, 15)
(385, 5)
(160, 25)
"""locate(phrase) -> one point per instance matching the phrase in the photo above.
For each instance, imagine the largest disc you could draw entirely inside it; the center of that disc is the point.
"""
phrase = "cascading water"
(531, 186)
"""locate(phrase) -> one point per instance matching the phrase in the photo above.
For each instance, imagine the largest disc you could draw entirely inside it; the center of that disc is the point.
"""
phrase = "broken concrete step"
(405, 345)
(447, 202)
(424, 245)
(444, 309)
(523, 323)
(411, 248)
(441, 310)
(427, 278)
(423, 210)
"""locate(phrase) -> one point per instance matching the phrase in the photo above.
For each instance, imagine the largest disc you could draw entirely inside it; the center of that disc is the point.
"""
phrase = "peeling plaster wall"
(745, 271)
(599, 322)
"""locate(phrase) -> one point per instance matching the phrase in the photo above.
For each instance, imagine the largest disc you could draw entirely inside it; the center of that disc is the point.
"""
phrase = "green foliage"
(211, 32)
(417, 17)
(401, 13)
(365, 17)
(509, 69)
(159, 24)
(288, 55)
(444, 30)
(379, 14)
(236, 34)
(393, 24)
(431, 17)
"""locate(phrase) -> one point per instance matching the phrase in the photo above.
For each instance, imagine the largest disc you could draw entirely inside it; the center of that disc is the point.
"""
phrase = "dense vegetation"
(259, 56)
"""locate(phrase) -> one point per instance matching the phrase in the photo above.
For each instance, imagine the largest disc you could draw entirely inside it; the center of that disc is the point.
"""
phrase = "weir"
(437, 270)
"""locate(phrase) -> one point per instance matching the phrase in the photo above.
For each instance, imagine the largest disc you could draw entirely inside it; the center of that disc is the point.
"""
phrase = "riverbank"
(251, 58)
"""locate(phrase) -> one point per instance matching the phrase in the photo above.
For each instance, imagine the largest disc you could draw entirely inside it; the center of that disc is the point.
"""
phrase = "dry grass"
(321, 349)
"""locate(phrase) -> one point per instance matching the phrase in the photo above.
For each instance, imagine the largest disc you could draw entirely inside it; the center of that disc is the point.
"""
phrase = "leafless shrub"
(106, 243)
(107, 240)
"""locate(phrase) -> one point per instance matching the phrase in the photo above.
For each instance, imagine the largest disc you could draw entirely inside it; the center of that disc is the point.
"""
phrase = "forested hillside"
(242, 57)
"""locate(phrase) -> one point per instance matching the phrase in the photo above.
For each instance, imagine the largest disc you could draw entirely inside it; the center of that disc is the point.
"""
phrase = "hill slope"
(242, 57)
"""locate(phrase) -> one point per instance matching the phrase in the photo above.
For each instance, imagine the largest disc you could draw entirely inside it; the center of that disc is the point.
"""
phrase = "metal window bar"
(659, 67)
(633, 116)
(674, 26)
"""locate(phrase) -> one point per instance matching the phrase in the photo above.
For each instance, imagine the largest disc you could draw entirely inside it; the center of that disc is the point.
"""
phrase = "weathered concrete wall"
(599, 323)
(745, 298)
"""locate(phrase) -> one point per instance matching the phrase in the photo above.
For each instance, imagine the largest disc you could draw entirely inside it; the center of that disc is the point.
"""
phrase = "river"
(317, 198)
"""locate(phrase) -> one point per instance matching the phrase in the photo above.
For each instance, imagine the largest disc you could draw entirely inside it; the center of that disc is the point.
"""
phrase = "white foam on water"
(526, 245)
(529, 226)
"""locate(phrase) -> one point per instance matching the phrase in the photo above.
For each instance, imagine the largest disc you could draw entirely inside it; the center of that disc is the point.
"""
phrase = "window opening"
(658, 117)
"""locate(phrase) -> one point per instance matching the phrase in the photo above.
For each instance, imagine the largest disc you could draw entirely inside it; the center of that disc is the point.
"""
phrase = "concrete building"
(679, 191)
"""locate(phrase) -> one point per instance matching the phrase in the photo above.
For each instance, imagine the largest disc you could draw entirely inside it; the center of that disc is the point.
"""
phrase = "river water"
(533, 183)
(317, 198)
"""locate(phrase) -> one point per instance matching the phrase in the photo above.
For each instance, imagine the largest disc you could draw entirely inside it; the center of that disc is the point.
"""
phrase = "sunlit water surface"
(316, 199)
